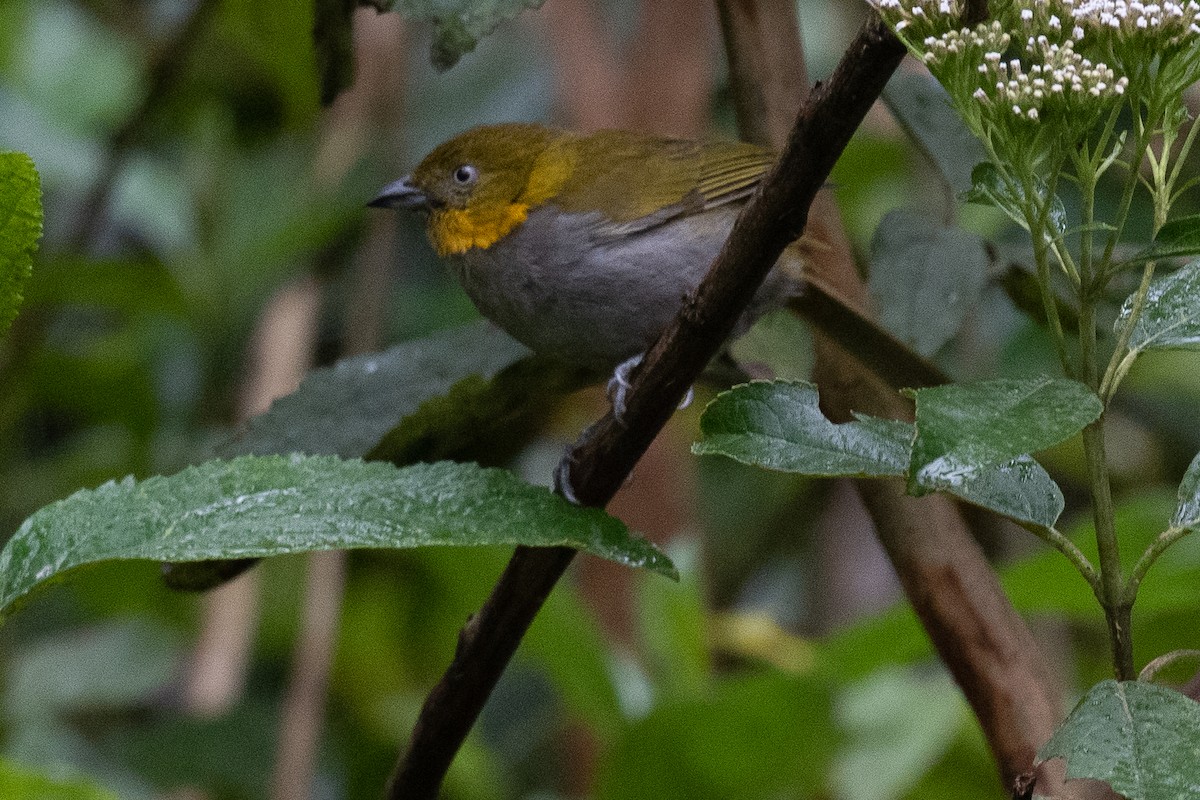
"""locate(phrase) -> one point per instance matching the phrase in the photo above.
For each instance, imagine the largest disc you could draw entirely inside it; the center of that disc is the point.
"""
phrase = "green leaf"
(348, 408)
(20, 229)
(1187, 515)
(1023, 289)
(1171, 315)
(963, 426)
(922, 107)
(1019, 489)
(257, 506)
(779, 426)
(22, 783)
(1139, 738)
(925, 277)
(988, 187)
(1178, 238)
(460, 24)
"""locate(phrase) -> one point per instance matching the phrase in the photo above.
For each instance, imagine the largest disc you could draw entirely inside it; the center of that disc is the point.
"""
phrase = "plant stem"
(1112, 589)
(1062, 544)
(1164, 540)
(1037, 221)
(1119, 364)
(1112, 584)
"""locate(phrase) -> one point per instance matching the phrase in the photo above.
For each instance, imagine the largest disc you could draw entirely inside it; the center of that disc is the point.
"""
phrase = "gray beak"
(400, 194)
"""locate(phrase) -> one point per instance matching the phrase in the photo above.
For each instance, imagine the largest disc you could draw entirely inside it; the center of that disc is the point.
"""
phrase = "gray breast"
(567, 285)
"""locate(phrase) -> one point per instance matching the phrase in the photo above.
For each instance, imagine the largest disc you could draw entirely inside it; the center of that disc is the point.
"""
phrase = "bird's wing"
(730, 171)
(633, 182)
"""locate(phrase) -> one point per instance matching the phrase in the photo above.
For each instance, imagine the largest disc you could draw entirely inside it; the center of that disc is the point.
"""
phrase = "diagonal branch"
(601, 461)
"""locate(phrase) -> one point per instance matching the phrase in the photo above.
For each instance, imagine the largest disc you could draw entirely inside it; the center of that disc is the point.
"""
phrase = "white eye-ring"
(466, 174)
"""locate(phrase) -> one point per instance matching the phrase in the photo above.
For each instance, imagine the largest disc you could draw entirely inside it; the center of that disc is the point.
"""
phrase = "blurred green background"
(206, 241)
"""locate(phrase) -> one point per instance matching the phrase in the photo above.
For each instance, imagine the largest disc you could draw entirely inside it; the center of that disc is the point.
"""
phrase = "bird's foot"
(618, 387)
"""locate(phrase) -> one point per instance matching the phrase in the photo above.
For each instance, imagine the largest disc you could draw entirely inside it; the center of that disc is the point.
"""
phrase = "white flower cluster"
(920, 13)
(1049, 75)
(983, 39)
(1161, 24)
(1062, 79)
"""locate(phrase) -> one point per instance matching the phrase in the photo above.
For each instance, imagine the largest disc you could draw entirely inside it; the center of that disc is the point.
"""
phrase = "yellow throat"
(454, 231)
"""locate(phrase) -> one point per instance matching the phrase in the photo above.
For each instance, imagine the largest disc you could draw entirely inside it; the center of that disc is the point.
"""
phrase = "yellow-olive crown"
(486, 165)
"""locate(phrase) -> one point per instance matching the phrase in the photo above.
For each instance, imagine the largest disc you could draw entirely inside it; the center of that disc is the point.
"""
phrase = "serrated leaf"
(778, 425)
(923, 109)
(1171, 315)
(20, 229)
(257, 506)
(346, 409)
(963, 426)
(1019, 489)
(1178, 238)
(925, 277)
(1141, 739)
(478, 419)
(989, 188)
(18, 782)
(1187, 515)
(460, 24)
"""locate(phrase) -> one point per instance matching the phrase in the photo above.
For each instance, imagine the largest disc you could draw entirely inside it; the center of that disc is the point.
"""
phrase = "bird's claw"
(562, 479)
(618, 384)
(618, 387)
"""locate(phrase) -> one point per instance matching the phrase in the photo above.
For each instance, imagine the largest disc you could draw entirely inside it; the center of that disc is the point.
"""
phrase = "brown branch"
(601, 461)
(768, 81)
(979, 636)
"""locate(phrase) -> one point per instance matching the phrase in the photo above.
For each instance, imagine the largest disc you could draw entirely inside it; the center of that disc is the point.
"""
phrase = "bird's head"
(480, 186)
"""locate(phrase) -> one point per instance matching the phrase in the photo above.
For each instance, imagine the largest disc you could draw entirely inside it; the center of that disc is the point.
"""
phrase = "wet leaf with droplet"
(1187, 515)
(257, 506)
(1171, 316)
(778, 425)
(1141, 739)
(964, 426)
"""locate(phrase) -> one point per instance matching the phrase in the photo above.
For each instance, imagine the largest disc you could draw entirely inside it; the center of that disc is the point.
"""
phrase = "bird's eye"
(466, 174)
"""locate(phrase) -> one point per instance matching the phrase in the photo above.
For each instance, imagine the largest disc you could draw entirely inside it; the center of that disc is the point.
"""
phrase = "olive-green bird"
(583, 246)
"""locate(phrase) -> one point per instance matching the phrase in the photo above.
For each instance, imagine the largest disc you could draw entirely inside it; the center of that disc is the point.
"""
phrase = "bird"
(582, 246)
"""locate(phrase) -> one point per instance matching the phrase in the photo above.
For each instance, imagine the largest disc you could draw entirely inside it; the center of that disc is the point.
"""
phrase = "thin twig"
(599, 464)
